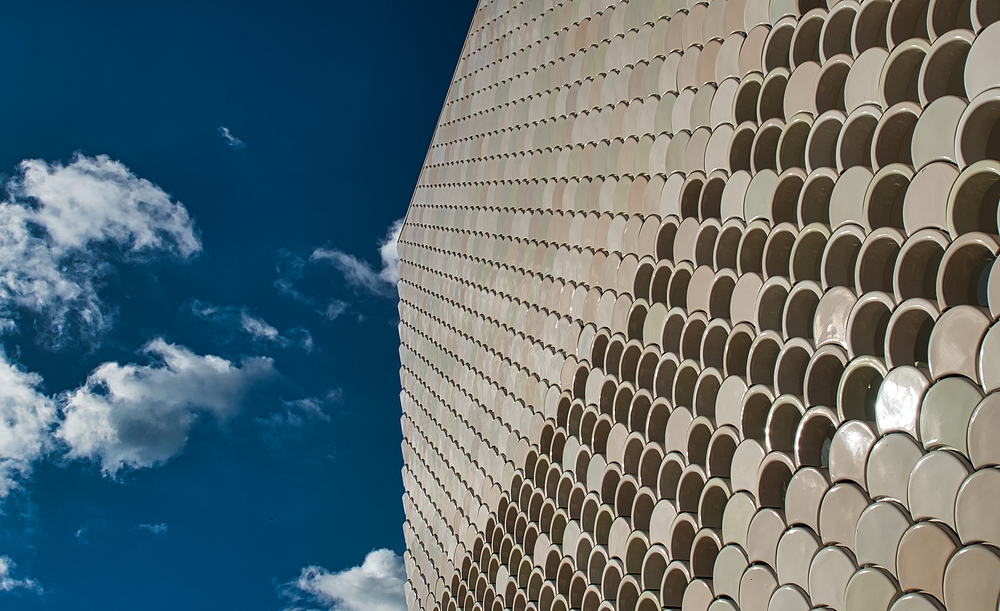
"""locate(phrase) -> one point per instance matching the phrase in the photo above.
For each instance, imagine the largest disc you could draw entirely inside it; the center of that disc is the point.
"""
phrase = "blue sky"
(199, 385)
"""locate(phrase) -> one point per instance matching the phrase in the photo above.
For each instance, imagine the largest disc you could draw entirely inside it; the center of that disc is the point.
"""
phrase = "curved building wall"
(698, 310)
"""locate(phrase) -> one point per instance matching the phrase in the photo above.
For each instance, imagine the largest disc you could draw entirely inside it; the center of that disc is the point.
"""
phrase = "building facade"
(697, 310)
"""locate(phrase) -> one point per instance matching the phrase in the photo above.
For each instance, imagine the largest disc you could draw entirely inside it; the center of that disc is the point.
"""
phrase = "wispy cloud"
(61, 225)
(230, 139)
(360, 273)
(376, 585)
(301, 411)
(291, 270)
(154, 529)
(335, 308)
(240, 319)
(139, 416)
(9, 583)
(302, 337)
(81, 534)
(311, 407)
(287, 428)
(258, 328)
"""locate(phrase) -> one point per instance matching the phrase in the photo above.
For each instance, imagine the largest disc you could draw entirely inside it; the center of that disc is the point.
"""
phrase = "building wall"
(697, 310)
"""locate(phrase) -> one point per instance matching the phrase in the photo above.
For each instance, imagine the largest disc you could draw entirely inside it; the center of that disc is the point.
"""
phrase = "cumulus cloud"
(62, 225)
(376, 585)
(26, 418)
(230, 139)
(138, 416)
(59, 223)
(9, 583)
(360, 273)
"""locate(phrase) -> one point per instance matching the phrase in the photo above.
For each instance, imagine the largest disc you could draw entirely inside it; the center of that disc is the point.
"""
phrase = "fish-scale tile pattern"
(698, 310)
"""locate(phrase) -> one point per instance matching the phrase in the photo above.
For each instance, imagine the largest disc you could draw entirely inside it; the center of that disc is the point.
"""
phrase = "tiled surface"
(697, 310)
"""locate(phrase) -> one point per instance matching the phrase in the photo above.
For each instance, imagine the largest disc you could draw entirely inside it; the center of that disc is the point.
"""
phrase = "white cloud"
(303, 338)
(56, 227)
(311, 407)
(258, 328)
(9, 583)
(292, 269)
(360, 273)
(26, 418)
(254, 326)
(97, 199)
(300, 411)
(376, 585)
(155, 529)
(137, 416)
(61, 226)
(388, 251)
(334, 309)
(230, 139)
(83, 533)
